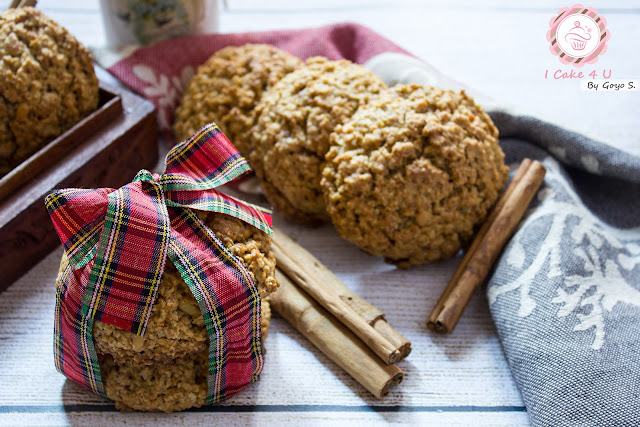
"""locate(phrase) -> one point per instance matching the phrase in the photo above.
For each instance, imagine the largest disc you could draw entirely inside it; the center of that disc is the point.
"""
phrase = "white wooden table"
(497, 48)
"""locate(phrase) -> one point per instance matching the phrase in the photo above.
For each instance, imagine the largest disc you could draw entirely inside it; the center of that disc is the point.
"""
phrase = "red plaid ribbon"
(117, 242)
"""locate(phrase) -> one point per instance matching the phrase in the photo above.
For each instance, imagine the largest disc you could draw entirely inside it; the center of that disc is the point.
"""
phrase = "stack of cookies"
(407, 173)
(166, 369)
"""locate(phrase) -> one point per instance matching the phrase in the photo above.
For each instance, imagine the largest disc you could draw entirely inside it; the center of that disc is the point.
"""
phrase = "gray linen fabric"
(565, 294)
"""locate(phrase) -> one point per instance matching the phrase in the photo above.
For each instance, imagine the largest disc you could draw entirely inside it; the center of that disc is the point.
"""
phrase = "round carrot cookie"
(291, 135)
(47, 83)
(226, 89)
(176, 327)
(413, 173)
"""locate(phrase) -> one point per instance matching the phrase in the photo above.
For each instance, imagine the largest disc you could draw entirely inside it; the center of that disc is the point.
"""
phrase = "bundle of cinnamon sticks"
(350, 331)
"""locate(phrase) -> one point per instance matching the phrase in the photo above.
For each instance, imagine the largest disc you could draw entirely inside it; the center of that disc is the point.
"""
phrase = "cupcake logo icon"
(578, 35)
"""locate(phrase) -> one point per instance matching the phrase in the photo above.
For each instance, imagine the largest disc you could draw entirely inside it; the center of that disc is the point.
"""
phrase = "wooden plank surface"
(497, 48)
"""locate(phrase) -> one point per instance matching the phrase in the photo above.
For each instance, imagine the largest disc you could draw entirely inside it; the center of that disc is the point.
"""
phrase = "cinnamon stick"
(487, 245)
(300, 273)
(325, 277)
(524, 166)
(331, 337)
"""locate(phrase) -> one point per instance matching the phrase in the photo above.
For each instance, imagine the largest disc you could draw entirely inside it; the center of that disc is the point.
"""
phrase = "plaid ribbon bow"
(117, 242)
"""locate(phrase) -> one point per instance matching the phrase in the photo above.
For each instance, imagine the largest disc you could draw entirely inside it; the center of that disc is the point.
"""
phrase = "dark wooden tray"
(110, 107)
(106, 149)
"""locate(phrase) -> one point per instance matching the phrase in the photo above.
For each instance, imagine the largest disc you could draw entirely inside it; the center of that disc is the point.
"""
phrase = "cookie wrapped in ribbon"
(162, 292)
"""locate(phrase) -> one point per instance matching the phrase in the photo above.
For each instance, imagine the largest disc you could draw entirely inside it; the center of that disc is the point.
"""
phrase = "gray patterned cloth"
(565, 294)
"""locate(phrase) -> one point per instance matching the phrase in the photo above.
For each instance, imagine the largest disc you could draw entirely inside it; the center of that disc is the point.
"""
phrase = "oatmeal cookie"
(412, 174)
(168, 387)
(226, 89)
(176, 327)
(291, 135)
(47, 83)
(174, 386)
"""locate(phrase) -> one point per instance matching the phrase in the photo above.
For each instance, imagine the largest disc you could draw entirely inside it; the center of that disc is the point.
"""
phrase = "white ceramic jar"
(128, 22)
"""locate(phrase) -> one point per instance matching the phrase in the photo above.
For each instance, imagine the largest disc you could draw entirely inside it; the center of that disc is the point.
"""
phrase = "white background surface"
(498, 48)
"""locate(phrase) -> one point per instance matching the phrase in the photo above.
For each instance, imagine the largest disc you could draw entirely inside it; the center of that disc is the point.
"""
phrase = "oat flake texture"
(47, 84)
(411, 175)
(291, 135)
(226, 89)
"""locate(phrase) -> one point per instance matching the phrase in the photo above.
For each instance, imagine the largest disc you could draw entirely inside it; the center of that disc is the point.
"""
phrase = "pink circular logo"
(578, 35)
